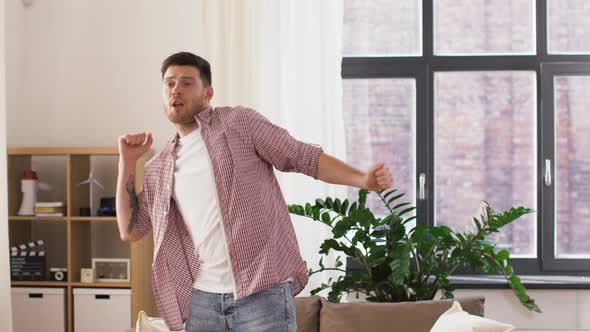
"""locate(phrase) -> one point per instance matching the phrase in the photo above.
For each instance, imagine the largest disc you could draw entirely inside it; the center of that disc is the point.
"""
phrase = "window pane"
(568, 26)
(379, 119)
(572, 185)
(382, 27)
(485, 148)
(483, 27)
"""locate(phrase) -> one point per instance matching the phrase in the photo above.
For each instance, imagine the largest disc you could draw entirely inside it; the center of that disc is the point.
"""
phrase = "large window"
(485, 149)
(379, 117)
(473, 100)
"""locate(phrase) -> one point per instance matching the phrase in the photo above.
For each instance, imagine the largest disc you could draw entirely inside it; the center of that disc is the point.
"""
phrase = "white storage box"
(38, 309)
(102, 309)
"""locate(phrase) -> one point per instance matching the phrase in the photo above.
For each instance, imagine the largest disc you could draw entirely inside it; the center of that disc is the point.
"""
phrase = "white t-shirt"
(195, 194)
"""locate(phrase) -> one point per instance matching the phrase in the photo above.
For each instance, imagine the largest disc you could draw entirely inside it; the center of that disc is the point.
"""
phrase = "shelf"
(40, 283)
(73, 284)
(93, 218)
(33, 218)
(101, 284)
(62, 151)
(72, 241)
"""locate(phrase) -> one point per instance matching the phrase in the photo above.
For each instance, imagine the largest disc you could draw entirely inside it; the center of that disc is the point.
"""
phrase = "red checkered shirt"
(243, 147)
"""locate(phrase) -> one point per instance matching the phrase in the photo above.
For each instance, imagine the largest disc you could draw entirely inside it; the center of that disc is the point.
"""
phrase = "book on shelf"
(49, 210)
(59, 214)
(49, 204)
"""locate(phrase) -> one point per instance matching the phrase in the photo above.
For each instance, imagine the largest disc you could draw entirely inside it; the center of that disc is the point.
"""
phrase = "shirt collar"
(203, 116)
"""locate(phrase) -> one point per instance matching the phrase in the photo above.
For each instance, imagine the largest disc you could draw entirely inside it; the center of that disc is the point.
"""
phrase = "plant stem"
(384, 201)
(326, 269)
(493, 259)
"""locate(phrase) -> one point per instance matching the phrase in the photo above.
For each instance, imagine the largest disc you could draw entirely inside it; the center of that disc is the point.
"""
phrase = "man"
(225, 252)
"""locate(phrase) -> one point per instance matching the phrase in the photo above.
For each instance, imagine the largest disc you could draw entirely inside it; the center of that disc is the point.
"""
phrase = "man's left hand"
(378, 178)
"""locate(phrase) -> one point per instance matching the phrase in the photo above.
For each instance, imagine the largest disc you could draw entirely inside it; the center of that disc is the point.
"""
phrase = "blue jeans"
(272, 309)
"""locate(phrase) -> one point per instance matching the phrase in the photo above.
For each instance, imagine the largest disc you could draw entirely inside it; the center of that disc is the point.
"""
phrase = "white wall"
(5, 304)
(75, 65)
(562, 309)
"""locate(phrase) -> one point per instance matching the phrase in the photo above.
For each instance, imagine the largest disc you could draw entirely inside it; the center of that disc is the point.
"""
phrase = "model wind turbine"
(91, 181)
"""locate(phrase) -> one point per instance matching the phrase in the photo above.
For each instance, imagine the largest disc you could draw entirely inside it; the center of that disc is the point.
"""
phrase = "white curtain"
(283, 58)
(5, 305)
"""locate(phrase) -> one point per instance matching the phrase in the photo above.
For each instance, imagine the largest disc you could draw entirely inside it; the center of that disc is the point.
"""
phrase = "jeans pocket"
(278, 289)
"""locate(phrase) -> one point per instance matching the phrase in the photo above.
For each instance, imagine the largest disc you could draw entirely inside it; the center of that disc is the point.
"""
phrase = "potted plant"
(407, 266)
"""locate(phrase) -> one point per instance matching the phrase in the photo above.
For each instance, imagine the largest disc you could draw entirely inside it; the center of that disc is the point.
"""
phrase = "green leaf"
(363, 217)
(316, 213)
(291, 208)
(502, 255)
(408, 220)
(358, 236)
(326, 219)
(477, 224)
(337, 205)
(329, 202)
(395, 198)
(329, 244)
(508, 270)
(353, 207)
(308, 210)
(320, 203)
(406, 211)
(300, 210)
(399, 206)
(295, 209)
(344, 207)
(362, 197)
(342, 227)
(389, 193)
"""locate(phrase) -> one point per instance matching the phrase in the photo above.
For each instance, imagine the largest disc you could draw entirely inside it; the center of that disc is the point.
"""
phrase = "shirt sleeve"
(275, 145)
(144, 221)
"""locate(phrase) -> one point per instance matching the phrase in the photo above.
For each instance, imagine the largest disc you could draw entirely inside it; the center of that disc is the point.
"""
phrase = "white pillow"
(150, 324)
(457, 320)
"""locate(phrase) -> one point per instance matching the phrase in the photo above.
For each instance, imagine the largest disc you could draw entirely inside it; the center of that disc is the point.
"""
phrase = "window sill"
(529, 281)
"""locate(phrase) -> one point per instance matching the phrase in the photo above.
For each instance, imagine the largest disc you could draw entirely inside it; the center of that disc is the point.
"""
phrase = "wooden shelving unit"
(77, 239)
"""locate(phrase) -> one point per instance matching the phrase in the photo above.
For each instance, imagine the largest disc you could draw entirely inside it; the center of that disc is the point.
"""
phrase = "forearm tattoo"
(133, 203)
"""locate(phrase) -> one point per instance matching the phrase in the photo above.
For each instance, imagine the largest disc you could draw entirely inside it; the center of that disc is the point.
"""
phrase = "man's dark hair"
(189, 59)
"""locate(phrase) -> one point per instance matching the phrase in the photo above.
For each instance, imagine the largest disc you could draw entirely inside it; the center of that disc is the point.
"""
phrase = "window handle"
(547, 172)
(422, 184)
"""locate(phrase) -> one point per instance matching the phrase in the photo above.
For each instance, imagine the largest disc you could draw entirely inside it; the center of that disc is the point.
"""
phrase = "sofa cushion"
(403, 316)
(308, 313)
(457, 320)
(150, 324)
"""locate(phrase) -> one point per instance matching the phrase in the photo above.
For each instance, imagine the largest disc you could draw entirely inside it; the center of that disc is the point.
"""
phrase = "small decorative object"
(27, 261)
(86, 275)
(84, 212)
(30, 185)
(50, 209)
(58, 274)
(91, 181)
(111, 269)
(107, 207)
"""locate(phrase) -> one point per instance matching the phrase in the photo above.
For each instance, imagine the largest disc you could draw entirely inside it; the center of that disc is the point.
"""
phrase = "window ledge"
(529, 281)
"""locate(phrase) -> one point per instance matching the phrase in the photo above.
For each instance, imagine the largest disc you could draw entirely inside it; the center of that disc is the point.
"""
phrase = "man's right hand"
(133, 146)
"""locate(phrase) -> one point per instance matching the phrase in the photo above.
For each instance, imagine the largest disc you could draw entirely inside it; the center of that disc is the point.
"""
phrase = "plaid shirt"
(243, 147)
